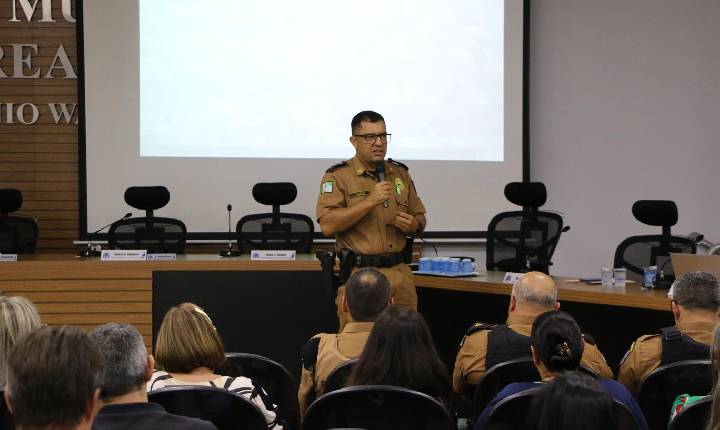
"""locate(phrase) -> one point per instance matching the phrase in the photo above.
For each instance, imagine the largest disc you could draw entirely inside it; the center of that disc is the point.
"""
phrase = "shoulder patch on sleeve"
(397, 163)
(309, 353)
(478, 326)
(336, 166)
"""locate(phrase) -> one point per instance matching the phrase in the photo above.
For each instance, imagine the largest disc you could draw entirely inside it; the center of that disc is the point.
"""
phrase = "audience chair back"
(511, 412)
(499, 376)
(337, 379)
(227, 410)
(658, 391)
(637, 252)
(156, 234)
(18, 234)
(377, 407)
(693, 417)
(516, 236)
(275, 230)
(273, 377)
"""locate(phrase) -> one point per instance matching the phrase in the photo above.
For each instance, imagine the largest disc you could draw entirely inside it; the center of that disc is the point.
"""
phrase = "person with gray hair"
(694, 304)
(486, 345)
(127, 369)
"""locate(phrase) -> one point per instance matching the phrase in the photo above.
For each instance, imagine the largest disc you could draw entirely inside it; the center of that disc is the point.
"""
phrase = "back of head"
(18, 317)
(571, 401)
(365, 116)
(367, 293)
(125, 358)
(697, 291)
(557, 339)
(535, 289)
(187, 340)
(53, 374)
(400, 351)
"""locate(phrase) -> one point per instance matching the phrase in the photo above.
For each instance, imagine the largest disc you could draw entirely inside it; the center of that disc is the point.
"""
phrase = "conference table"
(272, 307)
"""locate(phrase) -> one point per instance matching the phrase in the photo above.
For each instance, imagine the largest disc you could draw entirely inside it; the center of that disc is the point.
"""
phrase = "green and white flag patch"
(327, 187)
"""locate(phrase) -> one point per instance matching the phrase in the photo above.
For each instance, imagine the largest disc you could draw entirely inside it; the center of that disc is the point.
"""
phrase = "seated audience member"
(367, 293)
(557, 345)
(486, 345)
(127, 368)
(686, 400)
(573, 400)
(18, 317)
(694, 305)
(53, 379)
(400, 351)
(188, 349)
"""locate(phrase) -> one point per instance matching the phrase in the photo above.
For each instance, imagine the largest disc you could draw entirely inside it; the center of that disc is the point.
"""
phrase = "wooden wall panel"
(41, 160)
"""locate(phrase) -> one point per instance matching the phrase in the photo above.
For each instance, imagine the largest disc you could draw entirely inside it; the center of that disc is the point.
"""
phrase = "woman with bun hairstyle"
(556, 343)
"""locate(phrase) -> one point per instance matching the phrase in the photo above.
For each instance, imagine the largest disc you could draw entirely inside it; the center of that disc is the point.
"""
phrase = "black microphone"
(89, 252)
(380, 173)
(228, 252)
(553, 238)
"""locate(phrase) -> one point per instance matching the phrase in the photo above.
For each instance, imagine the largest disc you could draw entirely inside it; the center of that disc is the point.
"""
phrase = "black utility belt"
(381, 260)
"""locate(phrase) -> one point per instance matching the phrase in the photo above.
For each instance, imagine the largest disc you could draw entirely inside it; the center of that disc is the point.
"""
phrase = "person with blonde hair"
(18, 317)
(188, 349)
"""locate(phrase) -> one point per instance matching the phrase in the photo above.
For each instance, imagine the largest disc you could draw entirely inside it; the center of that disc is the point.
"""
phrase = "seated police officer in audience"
(18, 317)
(695, 303)
(188, 349)
(53, 379)
(127, 368)
(486, 345)
(367, 293)
(557, 345)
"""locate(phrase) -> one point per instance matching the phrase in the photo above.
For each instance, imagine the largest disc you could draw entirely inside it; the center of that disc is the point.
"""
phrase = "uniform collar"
(695, 326)
(520, 319)
(359, 169)
(358, 327)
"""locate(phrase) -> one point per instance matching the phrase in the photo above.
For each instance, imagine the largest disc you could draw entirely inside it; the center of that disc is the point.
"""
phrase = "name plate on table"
(162, 257)
(511, 277)
(264, 255)
(6, 258)
(124, 255)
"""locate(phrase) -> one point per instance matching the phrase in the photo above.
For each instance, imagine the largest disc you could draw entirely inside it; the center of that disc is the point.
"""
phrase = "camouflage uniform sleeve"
(332, 195)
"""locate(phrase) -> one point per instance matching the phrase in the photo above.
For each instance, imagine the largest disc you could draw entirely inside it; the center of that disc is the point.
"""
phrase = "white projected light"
(281, 79)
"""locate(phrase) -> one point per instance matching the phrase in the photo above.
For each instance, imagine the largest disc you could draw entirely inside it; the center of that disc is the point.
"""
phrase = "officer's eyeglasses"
(372, 138)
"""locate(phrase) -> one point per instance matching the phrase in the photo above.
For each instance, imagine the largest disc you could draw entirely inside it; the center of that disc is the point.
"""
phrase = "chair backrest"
(273, 377)
(377, 407)
(6, 419)
(637, 252)
(499, 376)
(658, 391)
(156, 234)
(694, 416)
(286, 231)
(512, 236)
(337, 379)
(18, 234)
(511, 412)
(227, 410)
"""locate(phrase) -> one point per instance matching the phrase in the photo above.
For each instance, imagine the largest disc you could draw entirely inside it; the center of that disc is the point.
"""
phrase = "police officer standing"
(370, 205)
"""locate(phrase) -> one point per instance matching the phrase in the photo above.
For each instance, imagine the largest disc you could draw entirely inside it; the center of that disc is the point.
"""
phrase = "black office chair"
(499, 376)
(227, 410)
(693, 417)
(661, 387)
(155, 234)
(337, 379)
(637, 252)
(271, 376)
(522, 240)
(377, 407)
(276, 230)
(18, 234)
(6, 419)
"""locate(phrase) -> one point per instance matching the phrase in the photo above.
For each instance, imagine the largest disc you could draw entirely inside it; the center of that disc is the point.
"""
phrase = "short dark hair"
(557, 339)
(365, 116)
(697, 290)
(53, 373)
(367, 293)
(572, 400)
(125, 356)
